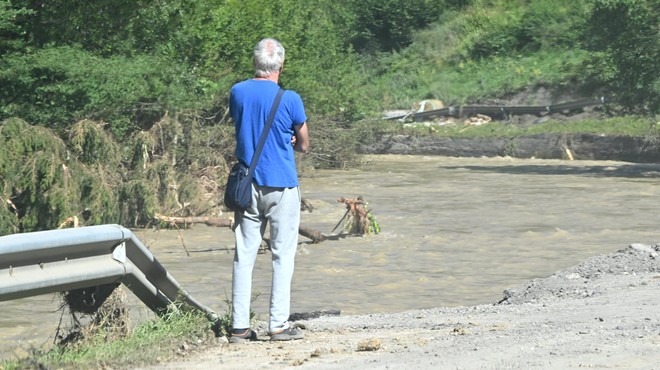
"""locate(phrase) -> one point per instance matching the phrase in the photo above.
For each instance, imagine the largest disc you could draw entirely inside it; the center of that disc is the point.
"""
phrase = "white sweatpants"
(281, 208)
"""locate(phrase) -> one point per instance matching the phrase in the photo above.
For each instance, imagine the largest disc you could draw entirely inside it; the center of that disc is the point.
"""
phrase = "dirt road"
(603, 313)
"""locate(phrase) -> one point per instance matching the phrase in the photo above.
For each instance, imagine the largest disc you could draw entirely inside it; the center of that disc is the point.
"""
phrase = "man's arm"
(301, 139)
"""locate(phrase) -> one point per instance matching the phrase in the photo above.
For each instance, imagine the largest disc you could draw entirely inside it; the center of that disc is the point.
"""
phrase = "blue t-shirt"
(249, 104)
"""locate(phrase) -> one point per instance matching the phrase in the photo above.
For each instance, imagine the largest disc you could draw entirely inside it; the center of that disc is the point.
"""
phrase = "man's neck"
(275, 77)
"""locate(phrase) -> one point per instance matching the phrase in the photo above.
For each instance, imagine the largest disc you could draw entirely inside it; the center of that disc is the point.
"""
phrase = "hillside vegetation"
(111, 111)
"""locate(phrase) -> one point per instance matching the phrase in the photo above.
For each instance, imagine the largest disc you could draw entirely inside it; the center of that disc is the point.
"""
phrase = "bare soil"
(602, 313)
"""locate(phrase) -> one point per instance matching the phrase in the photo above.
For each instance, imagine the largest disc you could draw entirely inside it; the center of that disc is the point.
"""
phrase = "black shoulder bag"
(238, 192)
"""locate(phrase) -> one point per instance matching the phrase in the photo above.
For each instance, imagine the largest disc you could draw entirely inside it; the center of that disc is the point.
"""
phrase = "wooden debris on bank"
(69, 221)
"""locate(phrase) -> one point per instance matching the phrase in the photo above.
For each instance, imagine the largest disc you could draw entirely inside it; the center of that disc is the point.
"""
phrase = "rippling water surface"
(455, 231)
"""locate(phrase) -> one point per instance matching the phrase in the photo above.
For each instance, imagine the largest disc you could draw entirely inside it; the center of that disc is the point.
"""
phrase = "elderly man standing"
(275, 190)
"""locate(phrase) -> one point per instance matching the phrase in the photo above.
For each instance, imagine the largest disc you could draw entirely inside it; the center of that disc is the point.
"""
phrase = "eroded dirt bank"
(542, 146)
(602, 313)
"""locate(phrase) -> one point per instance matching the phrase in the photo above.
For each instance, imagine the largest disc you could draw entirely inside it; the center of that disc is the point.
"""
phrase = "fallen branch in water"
(185, 221)
(317, 236)
(357, 221)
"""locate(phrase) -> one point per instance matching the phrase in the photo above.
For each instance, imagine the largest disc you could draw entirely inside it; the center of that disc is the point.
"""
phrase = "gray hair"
(268, 57)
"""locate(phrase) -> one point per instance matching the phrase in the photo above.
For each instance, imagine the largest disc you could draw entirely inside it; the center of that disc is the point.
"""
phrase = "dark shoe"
(246, 336)
(287, 334)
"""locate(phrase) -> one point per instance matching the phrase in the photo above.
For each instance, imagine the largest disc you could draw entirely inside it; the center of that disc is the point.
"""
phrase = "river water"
(455, 231)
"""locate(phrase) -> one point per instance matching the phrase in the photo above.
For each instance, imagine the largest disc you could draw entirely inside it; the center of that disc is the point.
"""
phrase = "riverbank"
(602, 313)
(541, 146)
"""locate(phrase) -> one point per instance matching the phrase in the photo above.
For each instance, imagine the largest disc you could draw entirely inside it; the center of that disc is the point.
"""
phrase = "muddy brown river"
(455, 231)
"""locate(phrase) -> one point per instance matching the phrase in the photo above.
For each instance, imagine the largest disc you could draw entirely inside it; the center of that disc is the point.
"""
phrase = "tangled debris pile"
(96, 312)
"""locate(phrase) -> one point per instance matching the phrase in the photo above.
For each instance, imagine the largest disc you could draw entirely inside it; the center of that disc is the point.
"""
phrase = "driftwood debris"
(185, 221)
(357, 221)
(317, 236)
(73, 221)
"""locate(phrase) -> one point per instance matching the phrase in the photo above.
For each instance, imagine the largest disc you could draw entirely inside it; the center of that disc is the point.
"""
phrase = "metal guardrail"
(499, 111)
(60, 260)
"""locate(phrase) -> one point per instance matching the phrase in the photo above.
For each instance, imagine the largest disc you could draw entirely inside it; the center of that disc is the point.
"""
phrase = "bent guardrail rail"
(59, 260)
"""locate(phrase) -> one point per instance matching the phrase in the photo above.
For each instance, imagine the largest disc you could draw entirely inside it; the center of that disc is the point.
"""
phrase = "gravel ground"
(602, 313)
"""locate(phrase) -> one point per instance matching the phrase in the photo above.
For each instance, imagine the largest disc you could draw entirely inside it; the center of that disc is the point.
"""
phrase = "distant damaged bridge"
(496, 112)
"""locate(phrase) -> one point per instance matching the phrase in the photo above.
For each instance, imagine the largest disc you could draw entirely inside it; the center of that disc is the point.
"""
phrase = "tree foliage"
(44, 180)
(513, 29)
(386, 25)
(117, 109)
(36, 177)
(625, 35)
(57, 86)
(11, 33)
(107, 27)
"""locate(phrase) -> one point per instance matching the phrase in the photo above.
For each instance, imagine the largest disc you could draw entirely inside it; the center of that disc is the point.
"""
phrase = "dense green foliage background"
(128, 97)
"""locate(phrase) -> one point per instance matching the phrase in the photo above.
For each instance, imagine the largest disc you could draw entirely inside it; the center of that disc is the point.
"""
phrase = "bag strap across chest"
(264, 133)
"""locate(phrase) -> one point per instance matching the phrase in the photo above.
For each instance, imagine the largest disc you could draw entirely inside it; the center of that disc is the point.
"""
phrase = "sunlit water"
(455, 231)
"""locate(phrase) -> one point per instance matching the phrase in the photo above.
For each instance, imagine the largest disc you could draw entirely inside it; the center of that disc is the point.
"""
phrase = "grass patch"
(617, 126)
(180, 331)
(174, 334)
